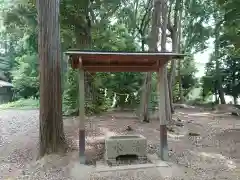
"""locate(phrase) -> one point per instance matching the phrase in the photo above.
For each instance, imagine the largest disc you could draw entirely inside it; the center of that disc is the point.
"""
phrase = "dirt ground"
(212, 155)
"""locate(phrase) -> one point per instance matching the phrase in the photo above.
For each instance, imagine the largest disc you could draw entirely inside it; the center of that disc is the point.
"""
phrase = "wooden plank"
(116, 53)
(114, 70)
(162, 114)
(129, 65)
(121, 68)
(81, 115)
(99, 62)
(114, 59)
(118, 60)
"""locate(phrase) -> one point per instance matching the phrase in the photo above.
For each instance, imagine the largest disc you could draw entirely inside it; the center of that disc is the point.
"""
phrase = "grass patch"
(30, 103)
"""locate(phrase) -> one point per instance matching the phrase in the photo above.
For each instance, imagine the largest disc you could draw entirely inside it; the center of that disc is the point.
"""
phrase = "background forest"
(119, 25)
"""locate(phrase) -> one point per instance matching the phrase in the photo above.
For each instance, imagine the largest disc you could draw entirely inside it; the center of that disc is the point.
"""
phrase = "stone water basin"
(121, 145)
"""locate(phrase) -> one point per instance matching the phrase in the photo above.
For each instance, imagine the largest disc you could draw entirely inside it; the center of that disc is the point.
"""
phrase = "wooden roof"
(119, 61)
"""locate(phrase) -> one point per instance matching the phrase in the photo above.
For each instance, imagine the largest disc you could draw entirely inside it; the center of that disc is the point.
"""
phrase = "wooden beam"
(81, 114)
(120, 68)
(129, 54)
(130, 65)
(162, 114)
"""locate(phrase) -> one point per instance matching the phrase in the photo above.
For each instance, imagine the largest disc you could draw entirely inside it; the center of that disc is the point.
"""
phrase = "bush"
(97, 104)
(70, 95)
(26, 77)
(30, 103)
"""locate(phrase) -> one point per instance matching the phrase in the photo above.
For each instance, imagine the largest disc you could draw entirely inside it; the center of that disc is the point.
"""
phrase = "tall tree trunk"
(143, 43)
(146, 85)
(83, 38)
(84, 42)
(172, 72)
(181, 98)
(51, 131)
(216, 97)
(179, 25)
(164, 103)
(234, 83)
(143, 90)
(216, 51)
(235, 100)
(146, 96)
(175, 48)
(163, 49)
(152, 48)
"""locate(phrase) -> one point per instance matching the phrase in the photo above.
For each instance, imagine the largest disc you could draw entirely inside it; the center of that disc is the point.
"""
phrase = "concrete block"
(124, 167)
(125, 145)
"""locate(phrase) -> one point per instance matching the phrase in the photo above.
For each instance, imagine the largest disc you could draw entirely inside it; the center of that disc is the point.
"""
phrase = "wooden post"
(162, 114)
(81, 114)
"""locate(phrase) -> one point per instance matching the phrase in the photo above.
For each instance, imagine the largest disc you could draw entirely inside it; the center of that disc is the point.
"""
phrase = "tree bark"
(172, 73)
(179, 25)
(84, 39)
(175, 48)
(216, 51)
(216, 98)
(234, 83)
(235, 100)
(163, 49)
(152, 48)
(146, 96)
(165, 114)
(52, 137)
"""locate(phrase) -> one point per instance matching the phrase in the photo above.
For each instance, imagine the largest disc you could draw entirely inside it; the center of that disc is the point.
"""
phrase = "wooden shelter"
(6, 92)
(121, 62)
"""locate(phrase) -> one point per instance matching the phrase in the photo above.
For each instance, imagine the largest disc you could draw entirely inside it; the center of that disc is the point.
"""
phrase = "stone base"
(125, 145)
(139, 160)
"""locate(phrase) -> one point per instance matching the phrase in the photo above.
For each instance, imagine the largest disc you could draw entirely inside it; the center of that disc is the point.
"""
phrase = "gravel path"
(18, 140)
(213, 155)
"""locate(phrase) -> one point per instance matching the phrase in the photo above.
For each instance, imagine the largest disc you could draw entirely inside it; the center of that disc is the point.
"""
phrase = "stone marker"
(121, 145)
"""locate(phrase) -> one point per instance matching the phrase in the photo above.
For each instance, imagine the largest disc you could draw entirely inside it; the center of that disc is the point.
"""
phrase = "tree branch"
(144, 20)
(169, 24)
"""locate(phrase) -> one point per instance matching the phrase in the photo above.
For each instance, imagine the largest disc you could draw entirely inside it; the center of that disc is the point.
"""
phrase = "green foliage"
(188, 71)
(136, 16)
(70, 95)
(31, 103)
(196, 29)
(228, 14)
(116, 25)
(5, 67)
(209, 81)
(231, 70)
(231, 11)
(114, 38)
(25, 76)
(124, 84)
(100, 101)
(188, 79)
